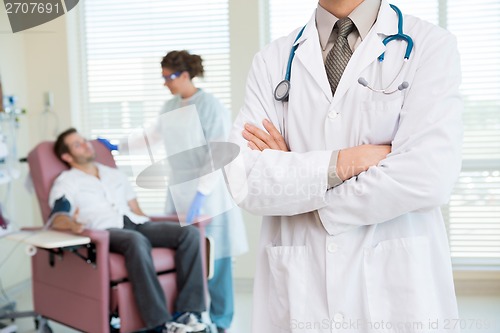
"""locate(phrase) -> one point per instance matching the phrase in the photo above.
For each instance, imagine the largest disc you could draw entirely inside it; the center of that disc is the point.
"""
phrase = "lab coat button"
(333, 114)
(338, 318)
(332, 247)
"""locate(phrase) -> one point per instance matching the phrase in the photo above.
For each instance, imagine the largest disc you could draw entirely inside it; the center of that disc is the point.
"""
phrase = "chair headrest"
(45, 167)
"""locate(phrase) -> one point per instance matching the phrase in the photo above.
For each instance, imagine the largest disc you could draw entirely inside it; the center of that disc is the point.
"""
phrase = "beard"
(84, 159)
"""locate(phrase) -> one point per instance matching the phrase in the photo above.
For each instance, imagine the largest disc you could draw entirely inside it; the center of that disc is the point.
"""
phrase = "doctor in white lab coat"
(371, 253)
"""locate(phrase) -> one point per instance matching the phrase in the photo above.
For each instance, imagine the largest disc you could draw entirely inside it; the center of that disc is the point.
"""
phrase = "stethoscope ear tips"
(362, 81)
(282, 90)
(403, 86)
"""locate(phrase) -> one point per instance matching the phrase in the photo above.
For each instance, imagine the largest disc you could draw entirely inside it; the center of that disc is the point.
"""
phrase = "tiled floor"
(241, 323)
(478, 314)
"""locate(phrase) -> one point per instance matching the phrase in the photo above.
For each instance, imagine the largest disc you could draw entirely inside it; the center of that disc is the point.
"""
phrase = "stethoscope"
(282, 90)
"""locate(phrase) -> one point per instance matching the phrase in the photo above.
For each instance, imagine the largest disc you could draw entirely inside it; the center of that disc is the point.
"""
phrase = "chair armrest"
(70, 285)
(201, 221)
(31, 228)
(164, 218)
(97, 236)
(101, 240)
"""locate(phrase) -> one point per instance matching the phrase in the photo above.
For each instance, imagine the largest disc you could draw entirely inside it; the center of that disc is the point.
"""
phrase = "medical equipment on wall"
(282, 90)
(1, 96)
(49, 122)
(9, 122)
(8, 163)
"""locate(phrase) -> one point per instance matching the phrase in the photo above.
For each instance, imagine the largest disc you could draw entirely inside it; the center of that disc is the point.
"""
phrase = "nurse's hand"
(108, 144)
(259, 139)
(195, 208)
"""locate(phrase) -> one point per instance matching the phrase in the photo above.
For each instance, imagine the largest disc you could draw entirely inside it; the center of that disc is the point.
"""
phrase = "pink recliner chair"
(85, 288)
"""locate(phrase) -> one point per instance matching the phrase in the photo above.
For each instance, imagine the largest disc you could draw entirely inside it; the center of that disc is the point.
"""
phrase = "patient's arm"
(135, 208)
(66, 222)
(60, 218)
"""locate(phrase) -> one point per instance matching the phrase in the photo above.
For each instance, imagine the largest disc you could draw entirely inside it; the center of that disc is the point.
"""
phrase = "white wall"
(31, 63)
(13, 76)
(245, 42)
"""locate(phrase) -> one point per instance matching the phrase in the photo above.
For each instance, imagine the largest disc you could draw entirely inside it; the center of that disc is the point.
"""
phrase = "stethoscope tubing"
(282, 90)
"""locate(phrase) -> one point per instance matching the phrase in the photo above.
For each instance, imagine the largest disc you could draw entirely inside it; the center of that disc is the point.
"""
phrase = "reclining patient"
(91, 195)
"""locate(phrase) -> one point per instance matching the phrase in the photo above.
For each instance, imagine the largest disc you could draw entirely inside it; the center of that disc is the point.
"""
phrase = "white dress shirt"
(102, 201)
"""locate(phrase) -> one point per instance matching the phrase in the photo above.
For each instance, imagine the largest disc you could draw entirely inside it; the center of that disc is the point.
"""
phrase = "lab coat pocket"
(287, 284)
(380, 120)
(398, 281)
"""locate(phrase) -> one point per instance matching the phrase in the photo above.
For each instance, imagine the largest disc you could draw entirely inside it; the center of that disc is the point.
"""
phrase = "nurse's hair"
(182, 61)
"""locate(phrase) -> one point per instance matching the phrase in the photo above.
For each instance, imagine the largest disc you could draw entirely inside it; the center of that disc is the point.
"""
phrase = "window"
(473, 214)
(122, 45)
(285, 16)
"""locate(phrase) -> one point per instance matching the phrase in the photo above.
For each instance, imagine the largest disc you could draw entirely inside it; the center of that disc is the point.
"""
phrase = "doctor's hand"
(259, 139)
(353, 161)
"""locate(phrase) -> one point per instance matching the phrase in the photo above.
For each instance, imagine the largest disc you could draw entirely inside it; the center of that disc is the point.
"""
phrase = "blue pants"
(220, 288)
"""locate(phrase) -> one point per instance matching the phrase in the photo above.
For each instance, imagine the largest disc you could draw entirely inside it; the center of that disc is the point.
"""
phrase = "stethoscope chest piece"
(282, 90)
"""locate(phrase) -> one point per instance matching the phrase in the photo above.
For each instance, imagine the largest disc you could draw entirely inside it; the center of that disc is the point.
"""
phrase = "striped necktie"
(338, 57)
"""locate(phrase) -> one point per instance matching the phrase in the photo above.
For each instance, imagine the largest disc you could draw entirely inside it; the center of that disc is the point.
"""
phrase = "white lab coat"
(371, 253)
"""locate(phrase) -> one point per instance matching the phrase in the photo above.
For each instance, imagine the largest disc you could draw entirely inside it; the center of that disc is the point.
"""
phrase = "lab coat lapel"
(368, 51)
(309, 55)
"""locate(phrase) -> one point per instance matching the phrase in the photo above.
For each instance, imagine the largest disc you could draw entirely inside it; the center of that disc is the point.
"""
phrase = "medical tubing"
(4, 295)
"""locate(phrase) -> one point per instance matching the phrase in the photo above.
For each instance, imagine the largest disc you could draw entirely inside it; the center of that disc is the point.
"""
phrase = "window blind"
(122, 46)
(473, 214)
(474, 210)
(285, 16)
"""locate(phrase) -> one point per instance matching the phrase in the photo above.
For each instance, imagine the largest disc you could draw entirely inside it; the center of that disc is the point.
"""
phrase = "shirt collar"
(363, 17)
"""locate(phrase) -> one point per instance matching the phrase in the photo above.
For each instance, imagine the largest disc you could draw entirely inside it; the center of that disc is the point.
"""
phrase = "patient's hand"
(65, 222)
(76, 227)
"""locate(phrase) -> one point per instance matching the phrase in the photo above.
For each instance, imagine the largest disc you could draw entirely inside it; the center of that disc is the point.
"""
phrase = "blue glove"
(196, 205)
(108, 144)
